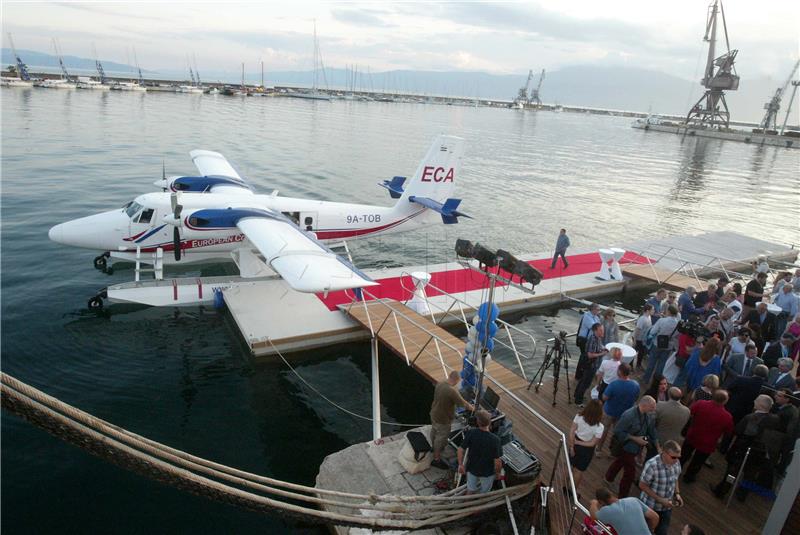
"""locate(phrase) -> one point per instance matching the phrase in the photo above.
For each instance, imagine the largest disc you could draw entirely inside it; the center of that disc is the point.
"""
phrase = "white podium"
(616, 271)
(606, 255)
(418, 302)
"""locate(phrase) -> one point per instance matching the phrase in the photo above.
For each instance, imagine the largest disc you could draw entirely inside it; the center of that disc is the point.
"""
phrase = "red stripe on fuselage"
(341, 233)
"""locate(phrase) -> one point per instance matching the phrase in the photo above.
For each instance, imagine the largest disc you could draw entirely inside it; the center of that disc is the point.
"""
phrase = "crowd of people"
(718, 371)
(715, 370)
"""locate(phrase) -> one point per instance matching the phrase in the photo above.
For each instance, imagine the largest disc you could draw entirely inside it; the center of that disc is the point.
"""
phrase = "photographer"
(594, 354)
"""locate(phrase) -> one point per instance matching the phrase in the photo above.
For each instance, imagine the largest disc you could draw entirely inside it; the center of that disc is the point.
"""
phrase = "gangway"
(433, 352)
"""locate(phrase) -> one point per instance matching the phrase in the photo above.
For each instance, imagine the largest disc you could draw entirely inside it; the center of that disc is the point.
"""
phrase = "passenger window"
(294, 216)
(146, 216)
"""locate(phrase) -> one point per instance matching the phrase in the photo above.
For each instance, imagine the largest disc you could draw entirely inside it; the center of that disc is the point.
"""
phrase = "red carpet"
(464, 280)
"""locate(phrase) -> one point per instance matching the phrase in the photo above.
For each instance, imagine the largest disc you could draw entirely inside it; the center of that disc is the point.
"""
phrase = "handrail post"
(516, 353)
(376, 391)
(400, 335)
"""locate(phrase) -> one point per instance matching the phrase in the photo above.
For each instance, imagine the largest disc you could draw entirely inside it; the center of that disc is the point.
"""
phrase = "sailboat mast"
(316, 52)
(136, 59)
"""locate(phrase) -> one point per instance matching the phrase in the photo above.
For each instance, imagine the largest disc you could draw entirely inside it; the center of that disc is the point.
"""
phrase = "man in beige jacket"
(671, 416)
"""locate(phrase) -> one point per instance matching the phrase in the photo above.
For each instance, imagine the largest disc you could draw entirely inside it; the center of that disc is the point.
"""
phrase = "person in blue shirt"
(561, 249)
(789, 304)
(686, 304)
(703, 362)
(619, 396)
(628, 516)
(589, 318)
(656, 301)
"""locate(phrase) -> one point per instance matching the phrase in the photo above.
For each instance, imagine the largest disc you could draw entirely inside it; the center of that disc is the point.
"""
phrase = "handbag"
(662, 340)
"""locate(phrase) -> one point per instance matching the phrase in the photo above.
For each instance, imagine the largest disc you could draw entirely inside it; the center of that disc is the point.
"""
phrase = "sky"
(494, 37)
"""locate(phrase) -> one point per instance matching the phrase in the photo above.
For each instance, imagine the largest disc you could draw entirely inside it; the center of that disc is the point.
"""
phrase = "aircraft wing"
(211, 163)
(302, 261)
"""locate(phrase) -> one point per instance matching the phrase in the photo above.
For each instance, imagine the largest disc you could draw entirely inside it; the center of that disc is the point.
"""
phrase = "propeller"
(177, 208)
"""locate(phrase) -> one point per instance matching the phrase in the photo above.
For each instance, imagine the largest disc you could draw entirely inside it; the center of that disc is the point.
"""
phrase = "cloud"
(361, 17)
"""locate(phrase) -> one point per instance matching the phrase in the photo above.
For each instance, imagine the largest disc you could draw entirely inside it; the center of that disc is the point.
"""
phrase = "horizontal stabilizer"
(395, 186)
(448, 210)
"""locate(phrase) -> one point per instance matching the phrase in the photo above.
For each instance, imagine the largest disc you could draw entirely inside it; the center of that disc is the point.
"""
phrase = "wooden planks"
(397, 325)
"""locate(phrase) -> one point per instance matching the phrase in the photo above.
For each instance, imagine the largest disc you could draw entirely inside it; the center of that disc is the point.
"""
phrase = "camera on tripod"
(560, 340)
(555, 357)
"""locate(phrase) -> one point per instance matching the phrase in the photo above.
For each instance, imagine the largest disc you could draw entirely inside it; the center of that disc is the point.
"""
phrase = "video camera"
(693, 327)
(560, 340)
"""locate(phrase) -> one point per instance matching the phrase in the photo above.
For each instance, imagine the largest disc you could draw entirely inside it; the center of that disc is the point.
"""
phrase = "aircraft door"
(308, 221)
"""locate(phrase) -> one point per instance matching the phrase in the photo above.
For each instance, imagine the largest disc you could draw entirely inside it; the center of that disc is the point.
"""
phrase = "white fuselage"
(125, 230)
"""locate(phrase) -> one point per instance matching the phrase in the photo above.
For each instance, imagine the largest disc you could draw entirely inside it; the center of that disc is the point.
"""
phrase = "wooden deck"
(664, 278)
(416, 343)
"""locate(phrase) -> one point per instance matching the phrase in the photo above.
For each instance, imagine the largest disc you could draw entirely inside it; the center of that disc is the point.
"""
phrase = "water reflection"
(690, 179)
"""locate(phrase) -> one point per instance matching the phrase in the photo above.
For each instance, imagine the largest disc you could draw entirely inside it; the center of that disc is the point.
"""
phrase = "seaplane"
(217, 216)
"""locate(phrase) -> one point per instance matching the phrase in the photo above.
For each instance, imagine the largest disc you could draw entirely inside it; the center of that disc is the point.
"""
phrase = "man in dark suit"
(784, 409)
(763, 320)
(778, 351)
(742, 365)
(744, 390)
(781, 377)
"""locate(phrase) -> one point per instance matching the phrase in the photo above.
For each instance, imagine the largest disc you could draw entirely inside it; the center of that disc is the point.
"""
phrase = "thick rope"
(159, 462)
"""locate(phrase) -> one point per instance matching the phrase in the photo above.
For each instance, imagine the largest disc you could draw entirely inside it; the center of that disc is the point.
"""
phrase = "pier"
(673, 262)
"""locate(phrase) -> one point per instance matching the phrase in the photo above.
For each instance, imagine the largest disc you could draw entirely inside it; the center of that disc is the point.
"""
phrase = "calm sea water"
(181, 376)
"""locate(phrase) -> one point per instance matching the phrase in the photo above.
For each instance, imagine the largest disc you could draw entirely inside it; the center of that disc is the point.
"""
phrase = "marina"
(229, 391)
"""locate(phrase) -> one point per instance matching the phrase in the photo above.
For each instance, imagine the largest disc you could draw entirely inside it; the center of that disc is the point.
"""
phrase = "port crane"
(720, 75)
(99, 66)
(770, 120)
(535, 100)
(22, 69)
(522, 96)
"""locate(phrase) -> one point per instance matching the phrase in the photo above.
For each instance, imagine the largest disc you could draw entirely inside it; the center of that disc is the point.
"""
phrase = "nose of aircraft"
(101, 231)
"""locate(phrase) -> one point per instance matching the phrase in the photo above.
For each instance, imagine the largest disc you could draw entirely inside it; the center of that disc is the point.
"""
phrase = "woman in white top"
(643, 325)
(583, 437)
(607, 371)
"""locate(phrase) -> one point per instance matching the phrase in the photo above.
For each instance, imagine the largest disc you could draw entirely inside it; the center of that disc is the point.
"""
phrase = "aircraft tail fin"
(437, 173)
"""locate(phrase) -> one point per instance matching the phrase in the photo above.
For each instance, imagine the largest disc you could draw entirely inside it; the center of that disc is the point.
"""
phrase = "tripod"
(553, 357)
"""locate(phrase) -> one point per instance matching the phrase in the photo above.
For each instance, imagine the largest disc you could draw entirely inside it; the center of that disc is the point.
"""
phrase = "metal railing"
(462, 318)
(394, 313)
(715, 263)
(565, 508)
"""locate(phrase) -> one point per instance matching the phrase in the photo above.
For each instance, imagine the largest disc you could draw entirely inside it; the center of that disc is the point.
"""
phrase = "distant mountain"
(38, 59)
(611, 87)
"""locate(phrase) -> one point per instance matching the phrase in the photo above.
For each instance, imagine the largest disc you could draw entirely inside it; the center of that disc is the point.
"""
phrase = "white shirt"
(737, 346)
(643, 324)
(609, 370)
(586, 432)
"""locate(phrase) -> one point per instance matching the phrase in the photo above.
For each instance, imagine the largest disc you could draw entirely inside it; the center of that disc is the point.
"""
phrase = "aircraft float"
(217, 216)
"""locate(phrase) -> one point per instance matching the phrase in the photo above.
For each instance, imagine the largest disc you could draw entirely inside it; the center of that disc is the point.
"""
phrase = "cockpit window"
(133, 209)
(147, 215)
